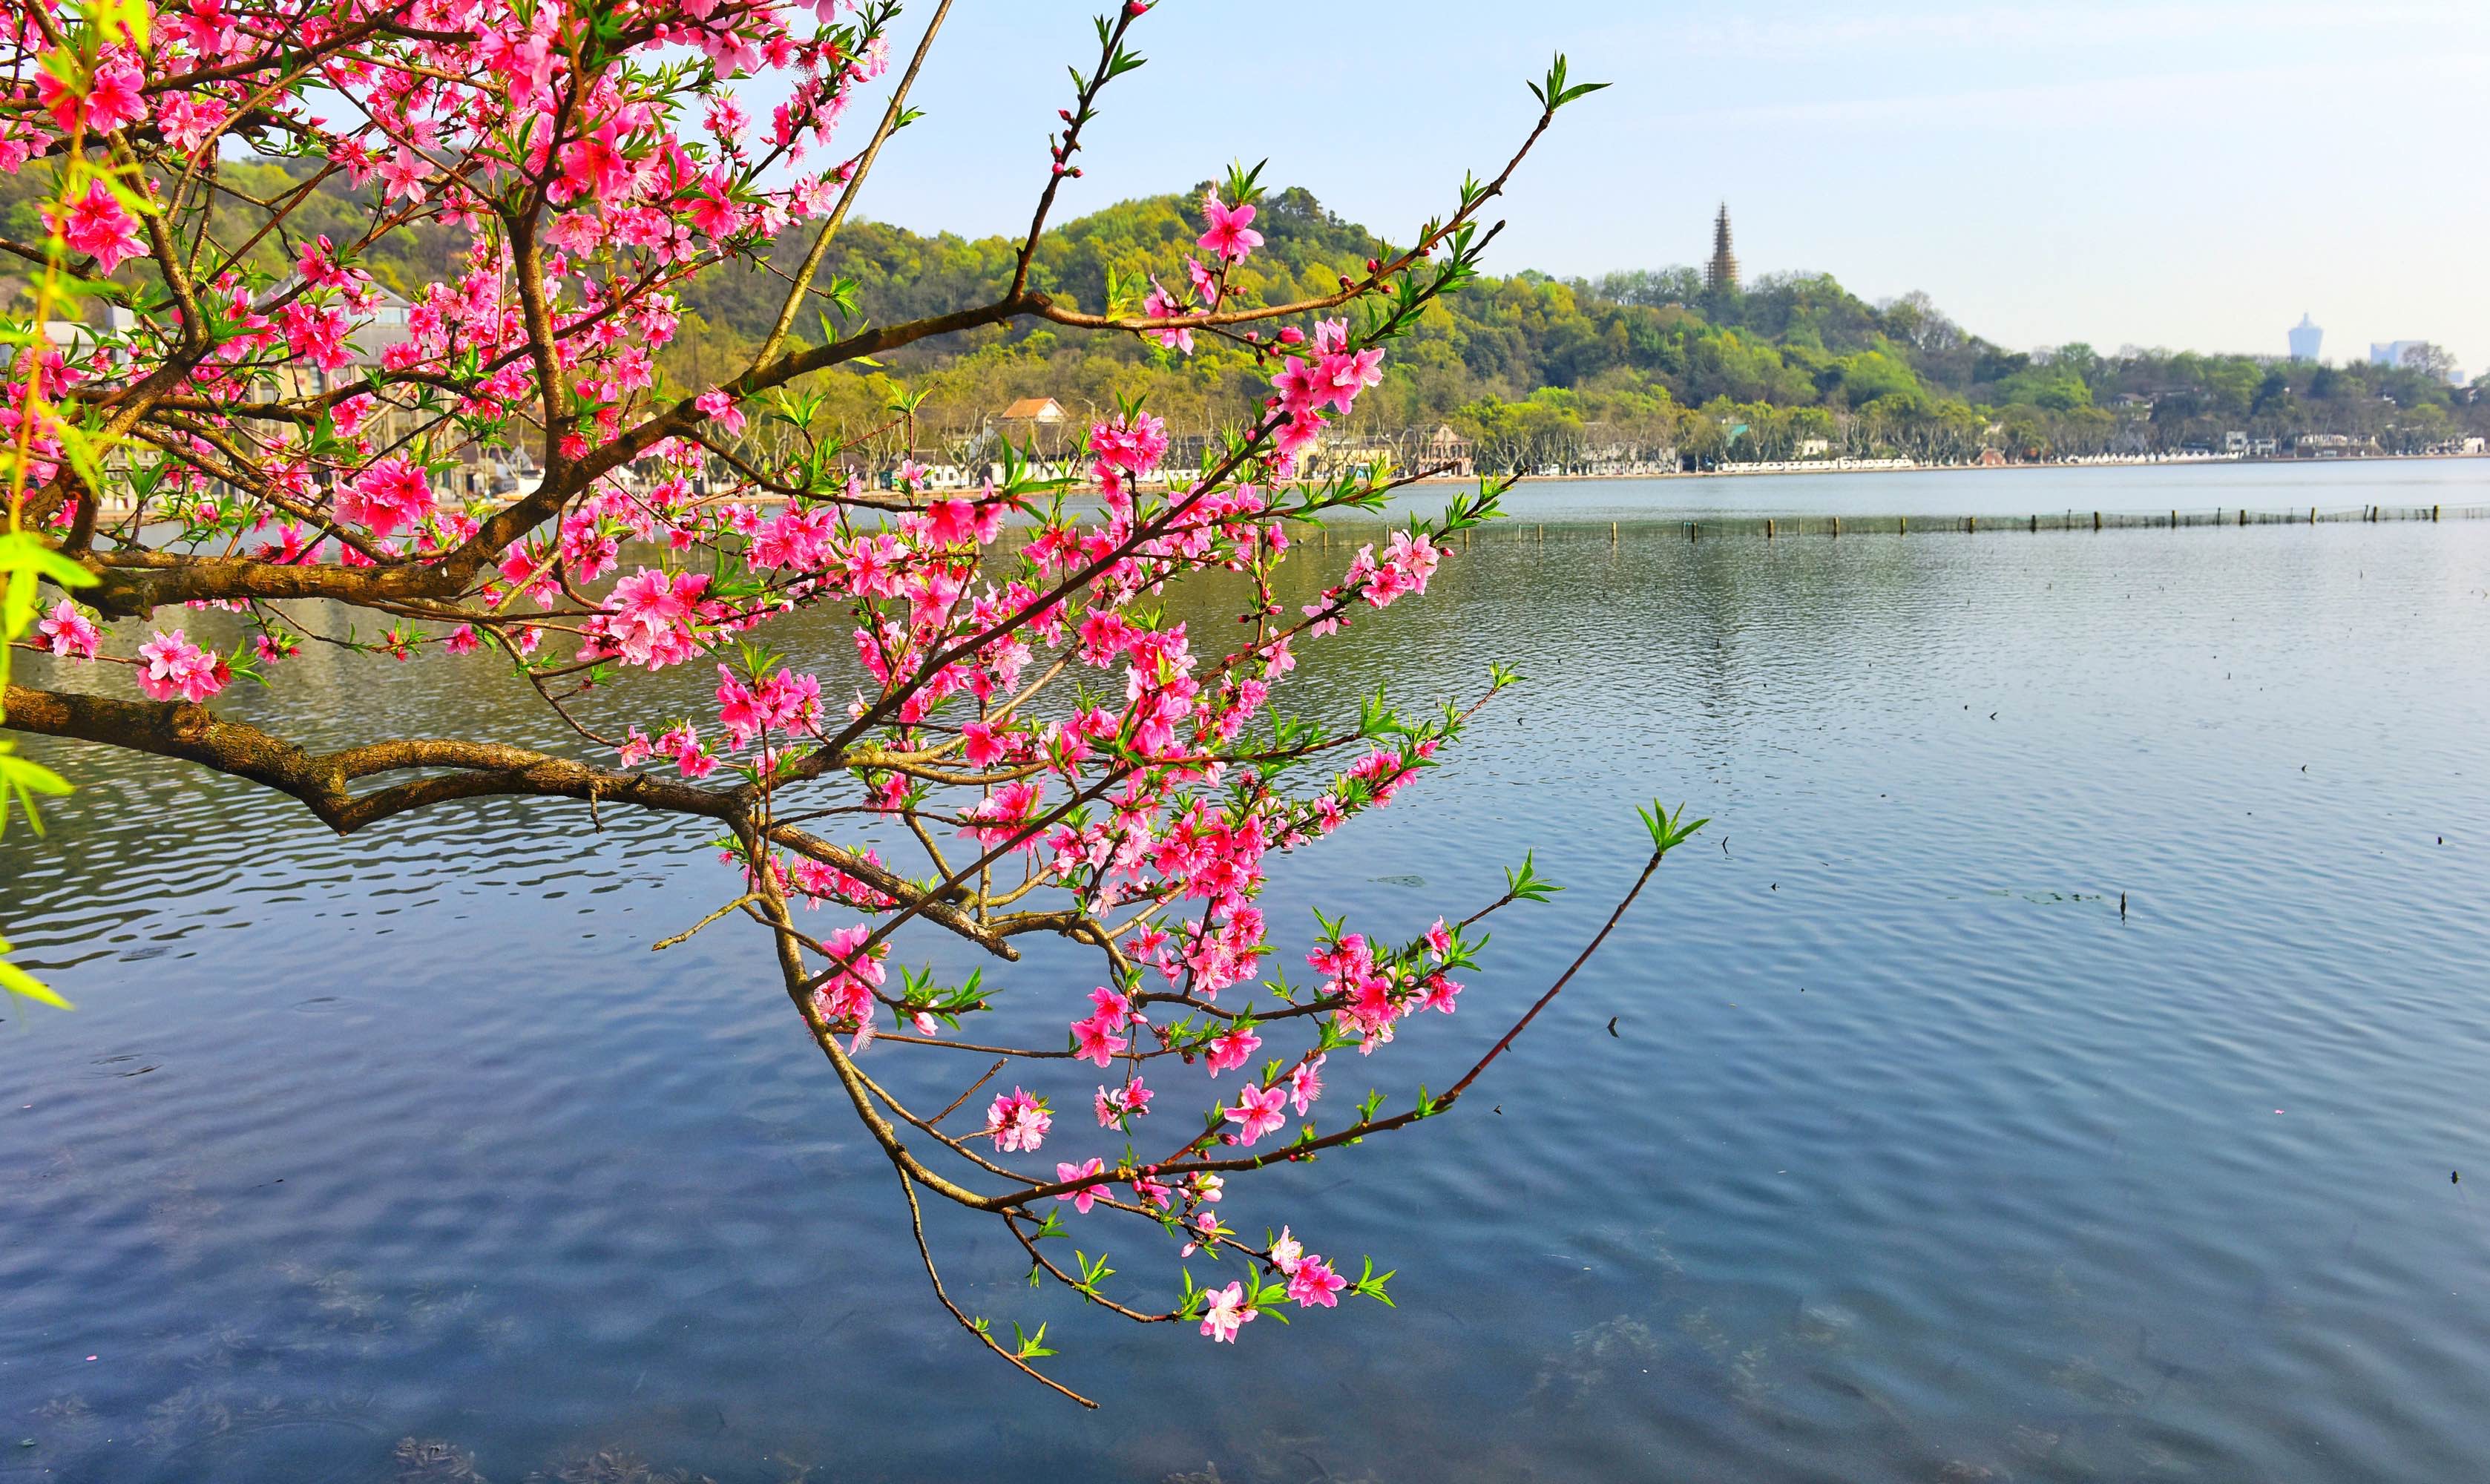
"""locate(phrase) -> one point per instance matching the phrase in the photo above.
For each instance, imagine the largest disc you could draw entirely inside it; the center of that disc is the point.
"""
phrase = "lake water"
(1910, 1157)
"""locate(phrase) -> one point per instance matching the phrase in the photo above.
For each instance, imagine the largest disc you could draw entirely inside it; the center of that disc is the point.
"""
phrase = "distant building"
(2393, 352)
(1720, 274)
(1034, 409)
(1036, 422)
(2305, 338)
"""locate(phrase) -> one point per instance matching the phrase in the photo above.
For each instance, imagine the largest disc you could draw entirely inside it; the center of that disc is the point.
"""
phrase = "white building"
(2305, 338)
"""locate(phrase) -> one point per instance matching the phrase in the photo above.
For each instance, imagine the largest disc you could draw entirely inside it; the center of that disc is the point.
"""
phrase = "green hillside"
(1533, 369)
(1537, 370)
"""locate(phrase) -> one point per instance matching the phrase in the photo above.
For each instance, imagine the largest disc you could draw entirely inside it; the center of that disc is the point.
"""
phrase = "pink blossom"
(1132, 1100)
(1159, 304)
(403, 174)
(1305, 1084)
(1287, 1252)
(1232, 236)
(1205, 1226)
(1000, 818)
(97, 226)
(1233, 1049)
(1205, 283)
(392, 493)
(1133, 448)
(713, 213)
(597, 167)
(1414, 557)
(1313, 1285)
(719, 408)
(1113, 1008)
(1340, 377)
(1439, 940)
(1018, 1122)
(1258, 1111)
(1229, 1311)
(1297, 434)
(69, 632)
(1093, 1039)
(981, 747)
(650, 617)
(176, 667)
(847, 993)
(1082, 1197)
(112, 98)
(190, 122)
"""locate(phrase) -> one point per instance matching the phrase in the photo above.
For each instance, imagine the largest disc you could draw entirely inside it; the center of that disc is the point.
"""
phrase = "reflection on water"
(401, 1157)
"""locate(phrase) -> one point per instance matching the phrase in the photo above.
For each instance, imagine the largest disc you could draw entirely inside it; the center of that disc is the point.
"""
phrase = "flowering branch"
(262, 421)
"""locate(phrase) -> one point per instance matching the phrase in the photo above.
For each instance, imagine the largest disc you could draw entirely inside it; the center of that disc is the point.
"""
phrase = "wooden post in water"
(2433, 512)
(2312, 515)
(2035, 525)
(1768, 528)
(2243, 515)
(2095, 520)
(1901, 525)
(1613, 533)
(1694, 530)
(1836, 525)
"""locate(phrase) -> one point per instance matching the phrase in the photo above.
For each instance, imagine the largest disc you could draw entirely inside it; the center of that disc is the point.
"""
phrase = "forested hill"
(1538, 369)
(1533, 369)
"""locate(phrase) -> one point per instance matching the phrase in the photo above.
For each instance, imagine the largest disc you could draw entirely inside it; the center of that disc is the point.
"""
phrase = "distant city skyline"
(2192, 175)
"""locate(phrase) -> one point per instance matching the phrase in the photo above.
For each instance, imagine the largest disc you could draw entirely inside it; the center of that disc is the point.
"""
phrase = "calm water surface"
(1910, 1160)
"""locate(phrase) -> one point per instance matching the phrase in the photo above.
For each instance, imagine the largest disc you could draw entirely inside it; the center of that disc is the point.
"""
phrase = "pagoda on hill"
(1720, 274)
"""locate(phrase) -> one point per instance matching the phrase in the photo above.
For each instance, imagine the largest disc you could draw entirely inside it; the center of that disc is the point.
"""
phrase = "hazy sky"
(2190, 174)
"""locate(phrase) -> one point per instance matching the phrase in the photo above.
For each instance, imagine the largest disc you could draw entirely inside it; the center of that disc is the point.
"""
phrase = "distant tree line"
(1533, 371)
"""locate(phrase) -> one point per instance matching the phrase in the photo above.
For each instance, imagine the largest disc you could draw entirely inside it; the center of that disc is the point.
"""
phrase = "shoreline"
(1805, 471)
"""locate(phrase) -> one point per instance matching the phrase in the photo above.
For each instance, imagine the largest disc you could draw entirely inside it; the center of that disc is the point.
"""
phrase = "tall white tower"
(2305, 338)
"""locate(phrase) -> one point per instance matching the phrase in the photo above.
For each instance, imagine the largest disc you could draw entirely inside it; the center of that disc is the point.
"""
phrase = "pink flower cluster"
(845, 997)
(651, 617)
(1377, 991)
(1018, 1122)
(174, 669)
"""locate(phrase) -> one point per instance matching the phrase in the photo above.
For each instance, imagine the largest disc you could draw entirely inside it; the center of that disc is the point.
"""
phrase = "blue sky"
(2192, 174)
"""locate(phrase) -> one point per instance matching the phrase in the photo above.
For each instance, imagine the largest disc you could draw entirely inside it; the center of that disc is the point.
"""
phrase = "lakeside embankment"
(1822, 466)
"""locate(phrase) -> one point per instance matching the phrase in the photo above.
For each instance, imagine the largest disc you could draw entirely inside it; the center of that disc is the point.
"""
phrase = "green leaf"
(22, 552)
(1668, 831)
(18, 981)
(1527, 885)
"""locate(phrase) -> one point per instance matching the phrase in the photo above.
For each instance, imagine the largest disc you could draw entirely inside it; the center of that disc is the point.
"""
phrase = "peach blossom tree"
(199, 446)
